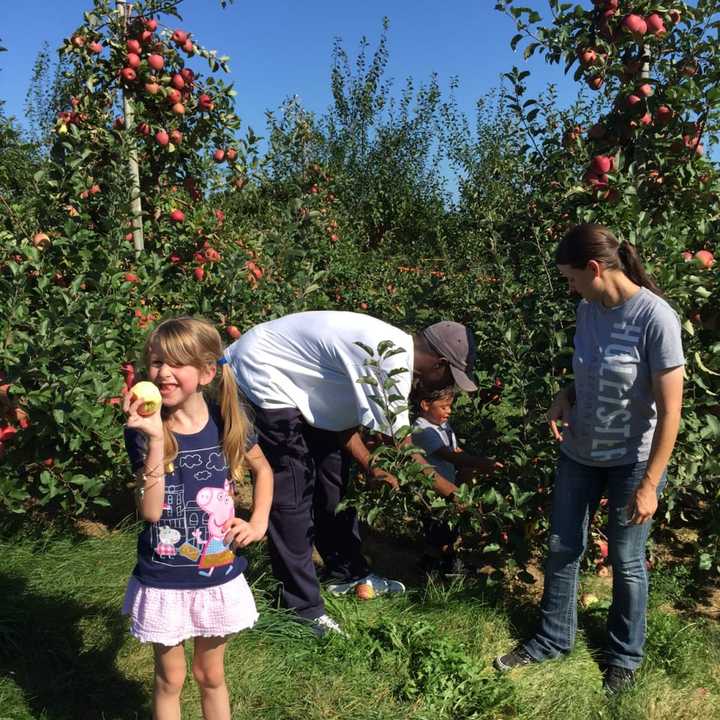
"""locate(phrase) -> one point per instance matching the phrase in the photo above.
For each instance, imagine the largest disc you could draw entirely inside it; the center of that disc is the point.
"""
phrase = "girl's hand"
(559, 411)
(150, 425)
(239, 533)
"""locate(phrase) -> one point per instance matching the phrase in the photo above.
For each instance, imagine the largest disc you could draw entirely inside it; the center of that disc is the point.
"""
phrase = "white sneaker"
(324, 624)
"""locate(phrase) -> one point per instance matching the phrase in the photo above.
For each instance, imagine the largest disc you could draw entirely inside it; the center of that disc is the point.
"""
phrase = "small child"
(188, 581)
(433, 434)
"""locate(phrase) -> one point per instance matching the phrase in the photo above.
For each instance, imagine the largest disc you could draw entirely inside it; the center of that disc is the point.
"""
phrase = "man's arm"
(352, 442)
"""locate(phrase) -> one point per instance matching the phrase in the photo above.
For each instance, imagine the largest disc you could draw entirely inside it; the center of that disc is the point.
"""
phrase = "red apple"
(705, 258)
(128, 74)
(205, 102)
(595, 82)
(152, 88)
(663, 115)
(133, 61)
(144, 129)
(177, 216)
(162, 137)
(151, 24)
(179, 37)
(646, 90)
(635, 25)
(687, 256)
(364, 591)
(95, 47)
(78, 41)
(178, 109)
(156, 61)
(597, 180)
(187, 75)
(177, 82)
(233, 332)
(131, 278)
(587, 56)
(231, 155)
(602, 164)
(219, 155)
(173, 96)
(632, 101)
(655, 25)
(199, 273)
(188, 47)
(133, 46)
(40, 240)
(176, 137)
(646, 119)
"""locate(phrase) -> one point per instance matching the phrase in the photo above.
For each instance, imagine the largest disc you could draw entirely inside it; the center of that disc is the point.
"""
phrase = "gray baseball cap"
(456, 344)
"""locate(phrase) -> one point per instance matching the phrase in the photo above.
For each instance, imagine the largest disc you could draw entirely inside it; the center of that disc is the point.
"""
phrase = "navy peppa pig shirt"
(185, 548)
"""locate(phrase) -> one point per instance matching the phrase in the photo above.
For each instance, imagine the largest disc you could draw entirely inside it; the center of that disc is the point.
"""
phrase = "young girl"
(188, 580)
(620, 420)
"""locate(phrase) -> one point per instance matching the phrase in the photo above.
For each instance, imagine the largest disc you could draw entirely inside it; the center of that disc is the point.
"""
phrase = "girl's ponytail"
(632, 266)
(235, 422)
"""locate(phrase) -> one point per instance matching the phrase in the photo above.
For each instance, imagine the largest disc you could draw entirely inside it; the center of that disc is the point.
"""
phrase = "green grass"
(66, 652)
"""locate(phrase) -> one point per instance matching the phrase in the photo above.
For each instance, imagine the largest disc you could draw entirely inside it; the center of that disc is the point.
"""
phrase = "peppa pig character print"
(218, 505)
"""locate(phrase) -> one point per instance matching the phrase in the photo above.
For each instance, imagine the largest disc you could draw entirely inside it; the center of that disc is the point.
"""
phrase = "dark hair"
(421, 393)
(596, 242)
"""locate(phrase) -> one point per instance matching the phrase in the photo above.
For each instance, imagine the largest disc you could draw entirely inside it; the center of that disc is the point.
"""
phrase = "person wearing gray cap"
(299, 373)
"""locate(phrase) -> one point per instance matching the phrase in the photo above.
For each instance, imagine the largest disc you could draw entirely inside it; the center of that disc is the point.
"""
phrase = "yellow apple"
(150, 396)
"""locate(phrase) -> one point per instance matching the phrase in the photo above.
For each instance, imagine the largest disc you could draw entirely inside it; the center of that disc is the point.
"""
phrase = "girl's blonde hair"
(195, 342)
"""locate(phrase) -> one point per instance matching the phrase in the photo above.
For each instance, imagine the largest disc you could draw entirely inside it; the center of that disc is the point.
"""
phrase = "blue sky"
(280, 48)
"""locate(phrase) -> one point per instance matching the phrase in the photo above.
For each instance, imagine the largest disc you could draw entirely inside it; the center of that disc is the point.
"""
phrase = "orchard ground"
(67, 653)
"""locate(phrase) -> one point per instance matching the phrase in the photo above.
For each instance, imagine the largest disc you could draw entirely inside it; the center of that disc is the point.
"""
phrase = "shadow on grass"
(61, 654)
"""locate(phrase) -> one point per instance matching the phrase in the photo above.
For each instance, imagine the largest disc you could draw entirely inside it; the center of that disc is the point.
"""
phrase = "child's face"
(176, 383)
(437, 411)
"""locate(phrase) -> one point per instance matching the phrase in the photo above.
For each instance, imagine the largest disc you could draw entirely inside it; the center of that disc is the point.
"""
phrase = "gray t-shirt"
(431, 438)
(617, 351)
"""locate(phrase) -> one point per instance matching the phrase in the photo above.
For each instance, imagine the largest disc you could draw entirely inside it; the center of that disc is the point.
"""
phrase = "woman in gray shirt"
(619, 421)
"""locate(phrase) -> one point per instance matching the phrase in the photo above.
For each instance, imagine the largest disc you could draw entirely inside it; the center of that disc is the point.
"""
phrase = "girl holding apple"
(188, 581)
(619, 422)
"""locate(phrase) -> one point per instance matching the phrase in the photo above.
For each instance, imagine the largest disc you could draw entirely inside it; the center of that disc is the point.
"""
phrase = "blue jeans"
(577, 493)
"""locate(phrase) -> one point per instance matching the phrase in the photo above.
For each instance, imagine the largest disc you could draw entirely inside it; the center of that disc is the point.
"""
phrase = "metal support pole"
(135, 198)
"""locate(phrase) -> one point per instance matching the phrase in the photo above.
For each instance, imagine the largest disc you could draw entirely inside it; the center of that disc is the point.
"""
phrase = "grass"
(65, 653)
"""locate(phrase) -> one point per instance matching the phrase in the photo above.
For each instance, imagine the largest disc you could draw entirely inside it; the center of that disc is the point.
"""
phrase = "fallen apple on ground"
(365, 591)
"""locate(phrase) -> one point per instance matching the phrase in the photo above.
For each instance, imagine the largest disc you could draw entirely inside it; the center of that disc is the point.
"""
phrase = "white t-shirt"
(310, 361)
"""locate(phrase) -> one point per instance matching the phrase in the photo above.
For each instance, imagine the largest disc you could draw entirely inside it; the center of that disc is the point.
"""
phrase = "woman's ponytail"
(591, 241)
(633, 267)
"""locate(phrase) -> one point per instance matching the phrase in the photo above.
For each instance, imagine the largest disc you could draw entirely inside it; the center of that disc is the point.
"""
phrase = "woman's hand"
(239, 533)
(150, 425)
(643, 504)
(559, 411)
